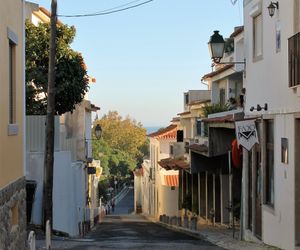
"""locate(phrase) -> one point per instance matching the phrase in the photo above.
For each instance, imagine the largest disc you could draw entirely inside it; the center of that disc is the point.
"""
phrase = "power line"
(117, 7)
(110, 11)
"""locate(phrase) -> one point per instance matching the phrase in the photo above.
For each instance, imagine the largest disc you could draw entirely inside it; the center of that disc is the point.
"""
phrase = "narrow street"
(121, 230)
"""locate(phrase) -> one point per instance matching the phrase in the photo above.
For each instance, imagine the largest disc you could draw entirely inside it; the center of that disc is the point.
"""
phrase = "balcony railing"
(294, 60)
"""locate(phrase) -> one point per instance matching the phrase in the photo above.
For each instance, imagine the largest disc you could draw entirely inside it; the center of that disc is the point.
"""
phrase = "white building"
(74, 189)
(164, 197)
(271, 190)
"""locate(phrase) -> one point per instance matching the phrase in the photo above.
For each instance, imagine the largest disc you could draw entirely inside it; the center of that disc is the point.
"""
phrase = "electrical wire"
(110, 11)
(119, 6)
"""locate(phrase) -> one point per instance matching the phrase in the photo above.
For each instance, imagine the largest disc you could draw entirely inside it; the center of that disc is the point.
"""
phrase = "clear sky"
(146, 57)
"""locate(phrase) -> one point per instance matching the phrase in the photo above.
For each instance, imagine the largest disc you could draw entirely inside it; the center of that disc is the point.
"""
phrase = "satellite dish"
(233, 2)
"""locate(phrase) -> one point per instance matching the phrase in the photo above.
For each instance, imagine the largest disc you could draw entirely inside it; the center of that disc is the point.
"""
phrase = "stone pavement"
(219, 236)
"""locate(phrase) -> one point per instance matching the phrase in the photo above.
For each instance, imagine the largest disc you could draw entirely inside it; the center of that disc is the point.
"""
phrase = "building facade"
(12, 181)
(271, 189)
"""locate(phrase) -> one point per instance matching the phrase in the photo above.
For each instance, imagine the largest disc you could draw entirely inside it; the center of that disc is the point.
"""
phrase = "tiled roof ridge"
(169, 131)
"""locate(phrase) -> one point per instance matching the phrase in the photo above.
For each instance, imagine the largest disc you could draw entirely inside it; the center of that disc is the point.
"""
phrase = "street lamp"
(98, 134)
(216, 47)
(272, 7)
(98, 131)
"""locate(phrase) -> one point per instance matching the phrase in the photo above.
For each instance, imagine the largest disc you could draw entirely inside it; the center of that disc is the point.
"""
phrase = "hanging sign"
(246, 133)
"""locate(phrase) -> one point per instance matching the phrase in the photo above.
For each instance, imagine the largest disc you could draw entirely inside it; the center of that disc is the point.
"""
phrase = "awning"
(169, 178)
(226, 118)
(201, 163)
(201, 148)
(173, 164)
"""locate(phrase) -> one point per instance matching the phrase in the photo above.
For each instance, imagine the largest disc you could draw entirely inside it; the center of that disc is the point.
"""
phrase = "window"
(186, 98)
(12, 43)
(179, 135)
(269, 168)
(171, 149)
(12, 83)
(222, 97)
(204, 129)
(257, 37)
(293, 60)
(198, 124)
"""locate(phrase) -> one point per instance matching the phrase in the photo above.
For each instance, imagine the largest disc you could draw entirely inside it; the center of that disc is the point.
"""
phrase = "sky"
(145, 58)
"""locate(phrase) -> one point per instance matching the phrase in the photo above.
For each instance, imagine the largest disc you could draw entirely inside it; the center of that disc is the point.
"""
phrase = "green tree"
(123, 145)
(71, 77)
(212, 108)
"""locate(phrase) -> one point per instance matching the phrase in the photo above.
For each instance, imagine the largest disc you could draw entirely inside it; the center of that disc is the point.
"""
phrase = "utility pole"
(49, 145)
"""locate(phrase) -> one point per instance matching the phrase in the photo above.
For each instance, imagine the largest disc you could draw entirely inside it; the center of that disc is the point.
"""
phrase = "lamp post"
(216, 47)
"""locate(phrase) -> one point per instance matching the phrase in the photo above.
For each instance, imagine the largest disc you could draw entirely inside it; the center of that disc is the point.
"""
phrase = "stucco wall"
(267, 82)
(68, 191)
(267, 79)
(168, 201)
(279, 222)
(11, 147)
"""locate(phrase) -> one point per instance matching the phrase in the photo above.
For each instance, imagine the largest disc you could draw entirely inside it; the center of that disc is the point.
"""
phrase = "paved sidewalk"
(219, 236)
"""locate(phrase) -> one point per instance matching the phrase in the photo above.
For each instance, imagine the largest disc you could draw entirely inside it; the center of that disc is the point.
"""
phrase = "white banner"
(246, 133)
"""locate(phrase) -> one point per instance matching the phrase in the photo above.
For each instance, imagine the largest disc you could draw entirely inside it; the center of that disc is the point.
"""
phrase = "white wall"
(68, 190)
(35, 133)
(279, 223)
(267, 82)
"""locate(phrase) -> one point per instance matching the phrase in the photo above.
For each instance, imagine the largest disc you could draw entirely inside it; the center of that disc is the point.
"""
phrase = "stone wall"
(13, 216)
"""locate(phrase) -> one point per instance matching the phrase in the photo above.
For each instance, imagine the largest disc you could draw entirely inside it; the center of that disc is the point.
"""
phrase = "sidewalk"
(219, 236)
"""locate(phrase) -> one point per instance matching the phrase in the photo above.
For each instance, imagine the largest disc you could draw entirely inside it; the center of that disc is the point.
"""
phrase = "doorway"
(297, 183)
(258, 192)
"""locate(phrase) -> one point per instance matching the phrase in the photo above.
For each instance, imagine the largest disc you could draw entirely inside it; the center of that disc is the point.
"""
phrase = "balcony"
(294, 60)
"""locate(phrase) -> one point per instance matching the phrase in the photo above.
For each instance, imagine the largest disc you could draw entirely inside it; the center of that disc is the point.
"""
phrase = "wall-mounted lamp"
(216, 47)
(98, 131)
(259, 108)
(272, 7)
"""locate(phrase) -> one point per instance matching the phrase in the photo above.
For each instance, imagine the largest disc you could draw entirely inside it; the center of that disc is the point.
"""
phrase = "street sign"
(246, 133)
(91, 170)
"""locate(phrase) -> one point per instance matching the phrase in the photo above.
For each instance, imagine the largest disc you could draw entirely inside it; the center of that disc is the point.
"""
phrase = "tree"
(212, 108)
(123, 144)
(123, 134)
(71, 82)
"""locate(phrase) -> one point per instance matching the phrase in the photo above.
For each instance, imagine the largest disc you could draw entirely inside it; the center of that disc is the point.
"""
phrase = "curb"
(219, 243)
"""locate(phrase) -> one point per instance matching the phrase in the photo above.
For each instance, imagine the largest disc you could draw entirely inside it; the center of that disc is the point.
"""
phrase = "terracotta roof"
(165, 133)
(184, 113)
(175, 119)
(198, 147)
(216, 72)
(170, 163)
(226, 118)
(237, 31)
